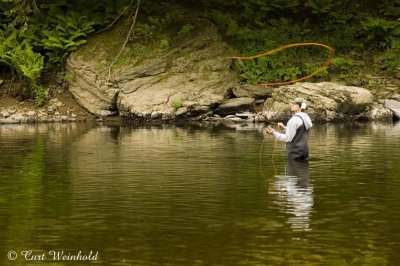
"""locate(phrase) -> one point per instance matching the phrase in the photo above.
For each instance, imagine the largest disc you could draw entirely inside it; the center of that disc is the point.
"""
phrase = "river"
(172, 195)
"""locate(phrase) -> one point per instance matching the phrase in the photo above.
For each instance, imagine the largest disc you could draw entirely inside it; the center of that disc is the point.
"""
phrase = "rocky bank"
(17, 107)
(194, 79)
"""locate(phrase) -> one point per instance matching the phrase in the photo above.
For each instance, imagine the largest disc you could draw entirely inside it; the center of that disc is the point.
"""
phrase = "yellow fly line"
(319, 70)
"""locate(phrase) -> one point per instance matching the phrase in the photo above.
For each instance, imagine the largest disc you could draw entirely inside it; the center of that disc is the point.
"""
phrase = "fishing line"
(270, 52)
(272, 157)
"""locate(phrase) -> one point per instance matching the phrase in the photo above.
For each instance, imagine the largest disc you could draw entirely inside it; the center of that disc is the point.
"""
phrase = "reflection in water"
(169, 195)
(295, 194)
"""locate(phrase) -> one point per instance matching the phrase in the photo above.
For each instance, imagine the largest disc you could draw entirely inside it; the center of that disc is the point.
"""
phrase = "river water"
(170, 195)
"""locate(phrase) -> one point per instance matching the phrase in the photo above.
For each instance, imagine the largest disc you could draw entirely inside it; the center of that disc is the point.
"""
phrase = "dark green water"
(185, 196)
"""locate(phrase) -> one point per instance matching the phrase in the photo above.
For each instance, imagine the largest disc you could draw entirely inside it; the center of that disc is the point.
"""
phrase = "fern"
(20, 56)
(61, 34)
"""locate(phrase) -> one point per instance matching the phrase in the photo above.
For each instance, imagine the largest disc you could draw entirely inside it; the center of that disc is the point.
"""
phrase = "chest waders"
(297, 149)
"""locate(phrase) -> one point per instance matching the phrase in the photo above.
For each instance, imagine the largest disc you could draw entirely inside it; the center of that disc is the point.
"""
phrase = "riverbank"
(61, 107)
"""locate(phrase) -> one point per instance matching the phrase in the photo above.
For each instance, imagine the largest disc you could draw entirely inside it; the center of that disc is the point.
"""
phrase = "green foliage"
(59, 34)
(164, 43)
(320, 6)
(17, 53)
(69, 76)
(41, 31)
(39, 93)
(286, 65)
(20, 11)
(145, 31)
(379, 31)
(187, 28)
(176, 104)
(392, 57)
(47, 31)
(343, 65)
(352, 27)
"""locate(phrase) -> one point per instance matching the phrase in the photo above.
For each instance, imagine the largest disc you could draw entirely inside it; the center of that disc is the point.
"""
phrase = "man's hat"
(301, 102)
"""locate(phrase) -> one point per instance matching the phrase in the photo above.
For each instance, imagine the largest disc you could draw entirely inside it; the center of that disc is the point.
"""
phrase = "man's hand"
(270, 130)
(281, 125)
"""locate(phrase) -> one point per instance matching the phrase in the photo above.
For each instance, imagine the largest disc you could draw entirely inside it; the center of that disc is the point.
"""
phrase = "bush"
(176, 104)
(17, 53)
(187, 28)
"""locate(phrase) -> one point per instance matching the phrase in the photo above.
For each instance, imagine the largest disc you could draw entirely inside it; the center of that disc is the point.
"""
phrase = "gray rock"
(11, 111)
(181, 111)
(235, 105)
(260, 102)
(31, 113)
(107, 113)
(235, 119)
(257, 92)
(42, 115)
(9, 120)
(251, 119)
(326, 101)
(197, 73)
(381, 113)
(5, 114)
(397, 73)
(394, 106)
(245, 115)
(90, 89)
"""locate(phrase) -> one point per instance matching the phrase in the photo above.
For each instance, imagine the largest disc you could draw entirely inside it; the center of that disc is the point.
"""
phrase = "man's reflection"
(293, 192)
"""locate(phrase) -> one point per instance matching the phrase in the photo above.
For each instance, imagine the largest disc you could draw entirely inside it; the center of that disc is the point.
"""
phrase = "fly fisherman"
(296, 131)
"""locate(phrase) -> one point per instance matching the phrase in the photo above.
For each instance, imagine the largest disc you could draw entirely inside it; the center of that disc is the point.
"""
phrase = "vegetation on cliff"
(36, 36)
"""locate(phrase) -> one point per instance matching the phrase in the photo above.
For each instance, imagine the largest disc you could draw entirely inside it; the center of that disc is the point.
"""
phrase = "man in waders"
(296, 132)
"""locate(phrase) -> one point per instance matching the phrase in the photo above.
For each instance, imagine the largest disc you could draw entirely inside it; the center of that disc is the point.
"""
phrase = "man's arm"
(291, 128)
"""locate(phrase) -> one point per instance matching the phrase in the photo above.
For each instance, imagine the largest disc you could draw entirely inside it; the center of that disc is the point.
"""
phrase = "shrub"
(176, 104)
(17, 53)
(187, 28)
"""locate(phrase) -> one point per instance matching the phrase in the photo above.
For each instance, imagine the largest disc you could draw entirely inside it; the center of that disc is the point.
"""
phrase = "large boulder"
(189, 78)
(327, 101)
